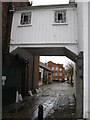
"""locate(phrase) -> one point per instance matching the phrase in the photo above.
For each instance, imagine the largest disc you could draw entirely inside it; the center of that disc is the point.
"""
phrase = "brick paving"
(57, 100)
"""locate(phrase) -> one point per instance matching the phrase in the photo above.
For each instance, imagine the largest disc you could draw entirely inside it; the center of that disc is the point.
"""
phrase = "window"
(56, 68)
(52, 68)
(25, 18)
(56, 74)
(60, 69)
(60, 16)
(60, 79)
(60, 74)
(56, 79)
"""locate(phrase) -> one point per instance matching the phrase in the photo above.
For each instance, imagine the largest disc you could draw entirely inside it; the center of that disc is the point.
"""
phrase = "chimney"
(71, 1)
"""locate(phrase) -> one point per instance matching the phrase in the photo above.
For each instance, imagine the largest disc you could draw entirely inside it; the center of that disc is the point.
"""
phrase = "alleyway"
(57, 100)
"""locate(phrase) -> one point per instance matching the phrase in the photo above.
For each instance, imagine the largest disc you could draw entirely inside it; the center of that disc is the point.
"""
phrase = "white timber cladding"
(43, 28)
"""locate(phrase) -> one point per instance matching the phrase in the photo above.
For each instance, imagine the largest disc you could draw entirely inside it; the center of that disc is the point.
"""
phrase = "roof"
(46, 7)
(43, 65)
(61, 65)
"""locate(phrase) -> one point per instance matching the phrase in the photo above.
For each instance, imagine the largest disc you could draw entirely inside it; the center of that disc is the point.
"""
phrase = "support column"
(19, 83)
(19, 78)
(88, 60)
(26, 78)
(35, 72)
(30, 75)
(79, 86)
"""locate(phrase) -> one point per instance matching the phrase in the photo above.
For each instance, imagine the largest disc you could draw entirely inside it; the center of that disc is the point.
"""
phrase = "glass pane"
(60, 17)
(26, 19)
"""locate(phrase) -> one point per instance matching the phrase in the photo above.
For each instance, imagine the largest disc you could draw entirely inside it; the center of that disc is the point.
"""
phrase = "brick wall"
(25, 72)
(35, 72)
(7, 22)
(6, 26)
(59, 71)
(30, 75)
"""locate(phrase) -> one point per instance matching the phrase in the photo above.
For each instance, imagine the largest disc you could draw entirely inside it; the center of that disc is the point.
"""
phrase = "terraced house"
(58, 71)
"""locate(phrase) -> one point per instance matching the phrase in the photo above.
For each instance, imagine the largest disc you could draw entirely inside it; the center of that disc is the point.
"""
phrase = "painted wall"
(80, 26)
(89, 59)
(43, 30)
(86, 72)
(82, 10)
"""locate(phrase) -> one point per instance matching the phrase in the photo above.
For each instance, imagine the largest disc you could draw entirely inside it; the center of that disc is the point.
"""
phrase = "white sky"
(46, 2)
(56, 59)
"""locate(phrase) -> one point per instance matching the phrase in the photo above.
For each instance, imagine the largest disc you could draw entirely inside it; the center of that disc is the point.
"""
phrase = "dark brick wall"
(10, 70)
(35, 72)
(6, 27)
(28, 74)
(7, 22)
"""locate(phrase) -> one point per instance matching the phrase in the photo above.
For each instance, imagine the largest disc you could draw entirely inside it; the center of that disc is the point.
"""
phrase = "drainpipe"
(26, 77)
(8, 29)
(33, 75)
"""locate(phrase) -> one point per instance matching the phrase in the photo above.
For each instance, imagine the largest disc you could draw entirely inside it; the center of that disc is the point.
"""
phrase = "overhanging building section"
(43, 31)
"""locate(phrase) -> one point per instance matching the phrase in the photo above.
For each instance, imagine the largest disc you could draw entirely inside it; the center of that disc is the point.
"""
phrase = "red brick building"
(21, 75)
(58, 74)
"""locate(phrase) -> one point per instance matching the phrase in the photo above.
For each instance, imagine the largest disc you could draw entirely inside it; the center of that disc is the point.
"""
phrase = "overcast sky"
(46, 2)
(56, 59)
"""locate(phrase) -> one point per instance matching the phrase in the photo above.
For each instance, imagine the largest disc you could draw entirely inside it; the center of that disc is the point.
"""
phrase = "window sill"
(27, 25)
(60, 24)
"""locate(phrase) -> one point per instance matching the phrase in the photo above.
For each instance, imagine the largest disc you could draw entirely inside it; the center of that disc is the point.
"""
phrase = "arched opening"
(60, 51)
(52, 51)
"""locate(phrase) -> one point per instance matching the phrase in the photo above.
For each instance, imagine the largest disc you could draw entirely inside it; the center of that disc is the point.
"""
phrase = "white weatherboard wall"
(80, 26)
(89, 57)
(82, 8)
(43, 30)
(85, 37)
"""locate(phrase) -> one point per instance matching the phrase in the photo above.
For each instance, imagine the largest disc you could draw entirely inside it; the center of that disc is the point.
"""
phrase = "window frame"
(56, 17)
(60, 69)
(56, 78)
(52, 68)
(27, 22)
(60, 79)
(61, 74)
(56, 69)
(56, 74)
(58, 22)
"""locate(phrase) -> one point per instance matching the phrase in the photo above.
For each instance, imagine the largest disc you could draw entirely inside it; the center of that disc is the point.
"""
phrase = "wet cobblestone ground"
(64, 108)
(57, 100)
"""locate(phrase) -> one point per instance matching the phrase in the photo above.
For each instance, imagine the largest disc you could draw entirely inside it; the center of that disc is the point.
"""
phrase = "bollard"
(40, 112)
